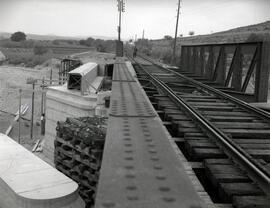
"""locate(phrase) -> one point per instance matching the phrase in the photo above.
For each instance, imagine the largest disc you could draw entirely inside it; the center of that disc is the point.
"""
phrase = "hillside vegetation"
(32, 52)
(162, 49)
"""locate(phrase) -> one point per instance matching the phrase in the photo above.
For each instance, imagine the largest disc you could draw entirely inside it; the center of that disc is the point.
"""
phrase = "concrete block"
(101, 96)
(27, 181)
(60, 104)
(101, 111)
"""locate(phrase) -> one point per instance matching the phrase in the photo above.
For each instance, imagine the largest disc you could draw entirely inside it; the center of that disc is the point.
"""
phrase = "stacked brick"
(78, 152)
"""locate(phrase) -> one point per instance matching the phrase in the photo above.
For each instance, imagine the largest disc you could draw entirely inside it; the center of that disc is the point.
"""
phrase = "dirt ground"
(12, 79)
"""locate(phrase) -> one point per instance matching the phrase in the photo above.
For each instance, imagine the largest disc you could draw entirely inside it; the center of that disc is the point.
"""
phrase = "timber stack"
(78, 152)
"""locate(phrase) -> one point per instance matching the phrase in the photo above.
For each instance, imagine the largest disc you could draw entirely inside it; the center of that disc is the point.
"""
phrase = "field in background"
(26, 57)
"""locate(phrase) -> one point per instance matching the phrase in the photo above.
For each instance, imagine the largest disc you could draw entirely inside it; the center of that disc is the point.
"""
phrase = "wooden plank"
(198, 104)
(190, 146)
(223, 168)
(183, 130)
(178, 139)
(198, 96)
(220, 113)
(178, 118)
(224, 173)
(232, 118)
(217, 161)
(260, 154)
(199, 144)
(159, 96)
(228, 190)
(165, 103)
(206, 153)
(197, 139)
(216, 108)
(169, 111)
(191, 100)
(249, 133)
(196, 134)
(252, 141)
(255, 146)
(251, 201)
(196, 165)
(185, 124)
(223, 205)
(240, 125)
(162, 98)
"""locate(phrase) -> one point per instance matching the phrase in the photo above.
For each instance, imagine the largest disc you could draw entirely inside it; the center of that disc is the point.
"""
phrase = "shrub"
(55, 42)
(191, 33)
(40, 50)
(18, 36)
(168, 37)
(253, 38)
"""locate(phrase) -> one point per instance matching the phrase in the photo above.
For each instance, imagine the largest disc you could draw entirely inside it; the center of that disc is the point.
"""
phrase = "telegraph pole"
(176, 31)
(121, 8)
(119, 45)
(20, 104)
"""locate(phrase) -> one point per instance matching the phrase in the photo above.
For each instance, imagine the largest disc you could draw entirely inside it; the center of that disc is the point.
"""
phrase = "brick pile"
(78, 152)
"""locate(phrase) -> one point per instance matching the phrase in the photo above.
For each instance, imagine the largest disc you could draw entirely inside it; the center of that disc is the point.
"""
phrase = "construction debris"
(78, 152)
(23, 111)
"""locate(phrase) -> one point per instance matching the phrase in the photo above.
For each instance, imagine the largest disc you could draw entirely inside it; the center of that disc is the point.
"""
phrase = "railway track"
(227, 140)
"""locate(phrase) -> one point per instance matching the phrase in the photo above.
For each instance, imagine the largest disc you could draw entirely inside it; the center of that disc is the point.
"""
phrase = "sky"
(156, 17)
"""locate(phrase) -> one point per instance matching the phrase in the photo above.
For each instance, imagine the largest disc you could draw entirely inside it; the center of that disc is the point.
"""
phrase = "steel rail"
(259, 112)
(255, 170)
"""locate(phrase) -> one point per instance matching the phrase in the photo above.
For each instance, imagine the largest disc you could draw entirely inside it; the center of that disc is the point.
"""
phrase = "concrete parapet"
(27, 181)
(60, 104)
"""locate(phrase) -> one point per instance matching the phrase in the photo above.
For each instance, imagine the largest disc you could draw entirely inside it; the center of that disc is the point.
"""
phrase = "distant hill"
(240, 34)
(4, 35)
(261, 27)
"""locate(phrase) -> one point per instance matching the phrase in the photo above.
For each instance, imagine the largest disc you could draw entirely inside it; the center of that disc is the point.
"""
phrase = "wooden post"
(32, 114)
(20, 103)
(42, 119)
(51, 77)
(59, 73)
(262, 73)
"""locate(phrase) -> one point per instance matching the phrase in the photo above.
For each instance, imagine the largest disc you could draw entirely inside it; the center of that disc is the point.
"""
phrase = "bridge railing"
(241, 67)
